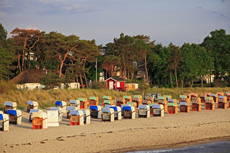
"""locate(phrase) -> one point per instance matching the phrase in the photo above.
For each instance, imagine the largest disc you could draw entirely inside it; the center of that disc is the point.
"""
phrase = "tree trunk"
(60, 69)
(182, 83)
(132, 75)
(106, 74)
(191, 84)
(24, 53)
(123, 56)
(146, 71)
(210, 80)
(19, 64)
(125, 73)
(159, 82)
(170, 80)
(163, 81)
(128, 74)
(29, 59)
(202, 79)
(111, 71)
(23, 60)
(82, 82)
(86, 82)
(52, 67)
(77, 83)
(46, 64)
(41, 63)
(176, 77)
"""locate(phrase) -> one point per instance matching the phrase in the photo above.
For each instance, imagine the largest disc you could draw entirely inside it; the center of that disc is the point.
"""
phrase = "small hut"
(115, 83)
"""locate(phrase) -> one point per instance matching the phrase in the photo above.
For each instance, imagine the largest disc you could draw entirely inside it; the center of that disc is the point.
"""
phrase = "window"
(118, 84)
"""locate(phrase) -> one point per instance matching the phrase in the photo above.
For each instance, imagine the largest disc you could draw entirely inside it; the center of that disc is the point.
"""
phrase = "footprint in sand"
(26, 144)
(71, 136)
(60, 139)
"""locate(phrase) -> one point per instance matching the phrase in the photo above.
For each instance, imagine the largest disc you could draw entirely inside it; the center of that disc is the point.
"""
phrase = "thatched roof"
(30, 76)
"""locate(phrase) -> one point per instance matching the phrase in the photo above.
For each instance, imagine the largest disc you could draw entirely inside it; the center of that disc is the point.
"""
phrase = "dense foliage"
(74, 58)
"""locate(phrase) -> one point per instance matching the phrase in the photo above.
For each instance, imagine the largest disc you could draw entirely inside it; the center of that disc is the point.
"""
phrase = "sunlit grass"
(48, 98)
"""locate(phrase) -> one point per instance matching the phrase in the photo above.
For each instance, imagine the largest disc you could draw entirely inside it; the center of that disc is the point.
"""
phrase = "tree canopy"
(218, 45)
(130, 57)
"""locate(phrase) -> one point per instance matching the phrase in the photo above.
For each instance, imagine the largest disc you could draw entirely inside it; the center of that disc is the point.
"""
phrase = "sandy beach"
(172, 130)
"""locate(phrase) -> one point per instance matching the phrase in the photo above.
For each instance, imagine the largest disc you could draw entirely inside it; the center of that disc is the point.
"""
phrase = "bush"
(50, 80)
(219, 83)
(6, 86)
(204, 85)
(166, 86)
(98, 85)
(143, 87)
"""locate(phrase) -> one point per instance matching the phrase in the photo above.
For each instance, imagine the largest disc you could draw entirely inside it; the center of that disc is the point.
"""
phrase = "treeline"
(74, 58)
(169, 66)
(32, 49)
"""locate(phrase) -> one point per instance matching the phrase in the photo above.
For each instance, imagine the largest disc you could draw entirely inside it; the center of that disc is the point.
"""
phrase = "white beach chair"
(33, 111)
(86, 113)
(129, 112)
(74, 103)
(144, 111)
(122, 105)
(60, 112)
(117, 112)
(69, 108)
(4, 121)
(9, 105)
(40, 120)
(52, 118)
(77, 117)
(31, 105)
(95, 111)
(15, 116)
(107, 114)
(158, 110)
(61, 104)
(108, 106)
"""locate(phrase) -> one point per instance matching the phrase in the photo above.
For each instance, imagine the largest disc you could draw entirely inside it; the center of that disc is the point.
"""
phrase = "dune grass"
(48, 98)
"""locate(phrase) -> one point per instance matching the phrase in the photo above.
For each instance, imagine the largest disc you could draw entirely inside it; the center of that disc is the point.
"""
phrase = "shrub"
(166, 86)
(50, 80)
(98, 85)
(219, 83)
(6, 86)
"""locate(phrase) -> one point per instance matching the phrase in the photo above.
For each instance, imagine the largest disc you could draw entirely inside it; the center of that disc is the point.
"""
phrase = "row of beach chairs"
(81, 110)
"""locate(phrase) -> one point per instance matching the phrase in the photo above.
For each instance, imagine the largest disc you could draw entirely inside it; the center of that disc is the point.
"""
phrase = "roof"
(30, 76)
(117, 79)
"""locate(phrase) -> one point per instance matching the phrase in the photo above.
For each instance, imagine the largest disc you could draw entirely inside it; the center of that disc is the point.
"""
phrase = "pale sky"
(165, 21)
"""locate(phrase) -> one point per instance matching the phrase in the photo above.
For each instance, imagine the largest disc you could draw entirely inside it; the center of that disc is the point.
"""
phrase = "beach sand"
(172, 130)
